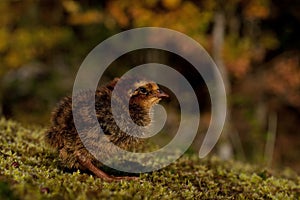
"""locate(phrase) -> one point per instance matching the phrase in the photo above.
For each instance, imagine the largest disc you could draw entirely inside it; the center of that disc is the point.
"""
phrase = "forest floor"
(30, 170)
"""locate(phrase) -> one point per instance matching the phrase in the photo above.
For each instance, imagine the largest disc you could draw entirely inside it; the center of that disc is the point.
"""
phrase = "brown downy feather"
(63, 136)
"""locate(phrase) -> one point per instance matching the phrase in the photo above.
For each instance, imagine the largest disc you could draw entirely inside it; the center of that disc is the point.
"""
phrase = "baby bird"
(64, 137)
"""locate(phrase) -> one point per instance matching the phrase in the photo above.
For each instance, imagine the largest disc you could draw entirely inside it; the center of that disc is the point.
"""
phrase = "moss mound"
(30, 170)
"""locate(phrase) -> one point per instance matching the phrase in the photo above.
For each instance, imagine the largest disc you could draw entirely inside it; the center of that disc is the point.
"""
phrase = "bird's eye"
(143, 90)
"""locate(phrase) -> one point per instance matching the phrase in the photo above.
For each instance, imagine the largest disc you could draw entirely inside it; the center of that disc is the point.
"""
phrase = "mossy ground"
(30, 170)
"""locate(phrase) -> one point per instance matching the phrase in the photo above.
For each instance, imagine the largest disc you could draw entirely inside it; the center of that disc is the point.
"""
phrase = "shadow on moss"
(5, 192)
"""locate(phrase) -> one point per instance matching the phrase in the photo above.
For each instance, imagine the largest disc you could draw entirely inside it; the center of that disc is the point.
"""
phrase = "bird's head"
(142, 96)
(147, 94)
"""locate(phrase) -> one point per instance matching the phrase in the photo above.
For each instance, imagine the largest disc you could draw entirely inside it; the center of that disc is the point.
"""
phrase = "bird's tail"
(52, 138)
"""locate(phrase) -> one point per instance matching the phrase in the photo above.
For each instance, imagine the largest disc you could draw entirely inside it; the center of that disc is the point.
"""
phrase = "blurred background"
(255, 43)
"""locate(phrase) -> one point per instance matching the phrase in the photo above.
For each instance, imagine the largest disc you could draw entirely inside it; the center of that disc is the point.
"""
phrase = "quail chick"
(63, 136)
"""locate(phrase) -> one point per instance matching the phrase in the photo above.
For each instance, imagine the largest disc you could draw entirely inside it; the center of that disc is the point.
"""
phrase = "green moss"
(30, 170)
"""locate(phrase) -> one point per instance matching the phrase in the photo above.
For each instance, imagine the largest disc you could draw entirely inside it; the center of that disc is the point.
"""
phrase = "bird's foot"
(99, 173)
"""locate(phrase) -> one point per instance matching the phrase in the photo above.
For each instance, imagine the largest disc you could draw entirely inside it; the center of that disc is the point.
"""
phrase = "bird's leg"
(90, 166)
(99, 173)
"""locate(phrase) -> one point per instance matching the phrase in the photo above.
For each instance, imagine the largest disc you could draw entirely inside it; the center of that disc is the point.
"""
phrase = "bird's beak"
(162, 94)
